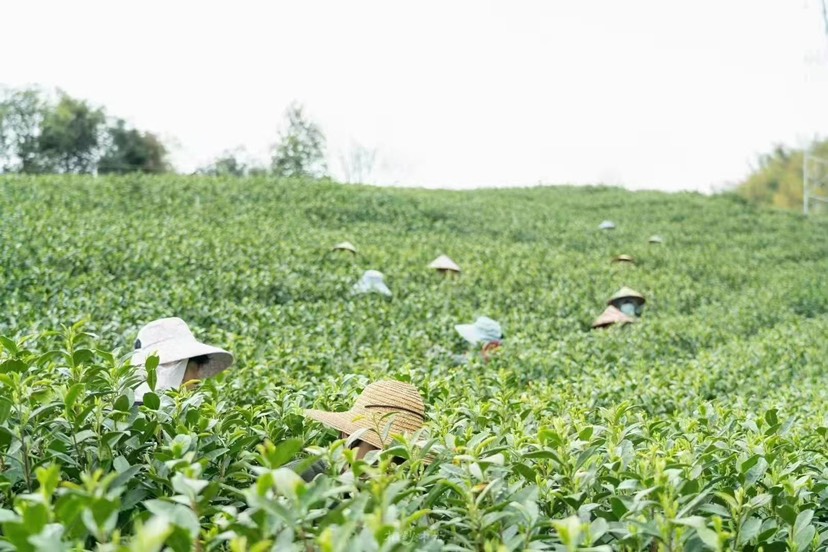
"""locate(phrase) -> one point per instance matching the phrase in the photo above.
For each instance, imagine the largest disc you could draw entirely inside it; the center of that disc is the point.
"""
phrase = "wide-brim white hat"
(372, 281)
(172, 341)
(484, 330)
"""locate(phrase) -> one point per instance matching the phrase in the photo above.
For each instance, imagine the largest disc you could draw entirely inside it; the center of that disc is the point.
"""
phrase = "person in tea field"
(380, 404)
(372, 281)
(484, 332)
(181, 357)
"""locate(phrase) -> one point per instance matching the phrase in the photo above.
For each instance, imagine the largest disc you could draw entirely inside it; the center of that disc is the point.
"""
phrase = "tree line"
(777, 180)
(43, 132)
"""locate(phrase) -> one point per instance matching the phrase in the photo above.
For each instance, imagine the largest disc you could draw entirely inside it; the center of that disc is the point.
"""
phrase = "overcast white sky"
(645, 93)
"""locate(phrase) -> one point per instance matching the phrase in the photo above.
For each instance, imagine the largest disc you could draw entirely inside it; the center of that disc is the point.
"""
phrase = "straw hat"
(174, 343)
(627, 293)
(607, 225)
(345, 246)
(610, 316)
(379, 404)
(372, 281)
(656, 239)
(443, 262)
(624, 259)
(484, 330)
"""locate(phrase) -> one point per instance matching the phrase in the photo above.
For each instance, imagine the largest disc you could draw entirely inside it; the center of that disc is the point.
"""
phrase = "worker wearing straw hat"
(345, 246)
(628, 301)
(380, 405)
(181, 357)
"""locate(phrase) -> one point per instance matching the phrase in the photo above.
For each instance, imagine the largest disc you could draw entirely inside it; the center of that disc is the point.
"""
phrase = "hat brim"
(348, 422)
(218, 360)
(345, 422)
(444, 266)
(380, 288)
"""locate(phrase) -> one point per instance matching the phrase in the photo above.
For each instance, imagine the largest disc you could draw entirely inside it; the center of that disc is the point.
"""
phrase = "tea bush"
(703, 427)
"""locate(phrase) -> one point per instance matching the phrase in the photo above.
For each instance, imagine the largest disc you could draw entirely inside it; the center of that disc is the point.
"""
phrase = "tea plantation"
(701, 427)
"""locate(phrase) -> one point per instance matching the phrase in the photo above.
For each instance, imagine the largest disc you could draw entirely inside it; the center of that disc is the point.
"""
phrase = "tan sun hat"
(443, 262)
(345, 246)
(379, 404)
(627, 293)
(612, 316)
(624, 259)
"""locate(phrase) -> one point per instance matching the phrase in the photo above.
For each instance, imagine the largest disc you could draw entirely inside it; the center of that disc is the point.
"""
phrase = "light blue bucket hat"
(484, 330)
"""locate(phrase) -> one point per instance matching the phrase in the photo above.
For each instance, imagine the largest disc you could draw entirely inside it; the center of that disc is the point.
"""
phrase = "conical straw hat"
(656, 239)
(381, 403)
(345, 246)
(443, 262)
(625, 293)
(624, 259)
(607, 225)
(611, 316)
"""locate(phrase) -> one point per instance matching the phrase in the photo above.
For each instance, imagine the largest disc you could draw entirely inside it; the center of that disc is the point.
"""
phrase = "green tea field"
(703, 426)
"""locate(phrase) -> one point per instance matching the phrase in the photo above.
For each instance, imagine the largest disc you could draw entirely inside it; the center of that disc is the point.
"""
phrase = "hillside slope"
(727, 365)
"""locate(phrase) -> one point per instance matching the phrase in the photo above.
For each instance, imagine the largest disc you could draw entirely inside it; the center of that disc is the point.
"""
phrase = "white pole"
(805, 184)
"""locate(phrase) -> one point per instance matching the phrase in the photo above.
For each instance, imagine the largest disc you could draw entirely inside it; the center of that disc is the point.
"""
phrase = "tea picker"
(624, 260)
(383, 409)
(181, 357)
(345, 246)
(445, 266)
(485, 332)
(372, 281)
(610, 317)
(628, 301)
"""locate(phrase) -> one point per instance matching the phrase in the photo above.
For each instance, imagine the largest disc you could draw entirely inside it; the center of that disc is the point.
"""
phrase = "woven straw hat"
(345, 246)
(607, 225)
(624, 259)
(627, 293)
(443, 262)
(611, 316)
(656, 239)
(379, 404)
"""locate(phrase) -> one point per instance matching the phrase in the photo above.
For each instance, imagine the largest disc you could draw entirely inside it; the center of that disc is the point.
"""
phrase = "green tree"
(777, 180)
(70, 134)
(227, 164)
(21, 116)
(128, 150)
(301, 148)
